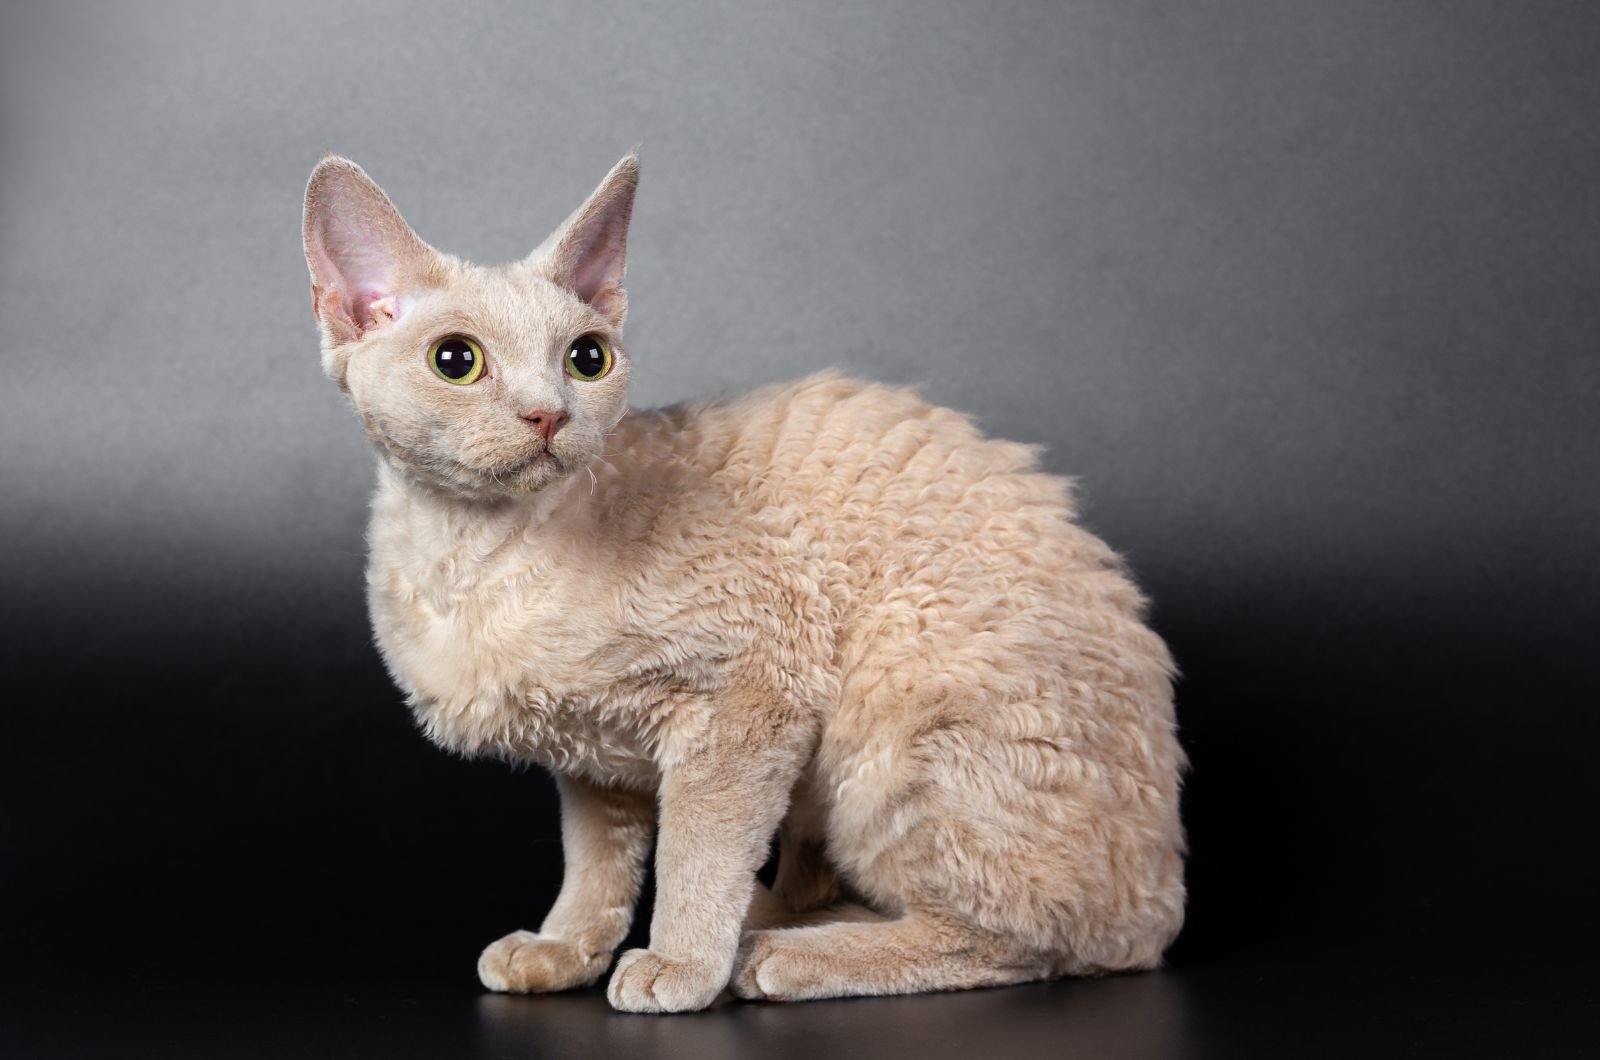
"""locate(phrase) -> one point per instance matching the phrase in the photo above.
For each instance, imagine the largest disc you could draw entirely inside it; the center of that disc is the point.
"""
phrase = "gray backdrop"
(1294, 289)
(1304, 294)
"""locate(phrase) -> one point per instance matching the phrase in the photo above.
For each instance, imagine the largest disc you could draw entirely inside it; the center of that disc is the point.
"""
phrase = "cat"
(826, 610)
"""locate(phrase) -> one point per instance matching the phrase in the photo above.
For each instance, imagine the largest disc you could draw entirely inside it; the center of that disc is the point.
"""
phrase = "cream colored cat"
(826, 609)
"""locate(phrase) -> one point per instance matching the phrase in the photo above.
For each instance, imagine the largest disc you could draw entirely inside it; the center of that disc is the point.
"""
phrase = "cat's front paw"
(526, 963)
(646, 981)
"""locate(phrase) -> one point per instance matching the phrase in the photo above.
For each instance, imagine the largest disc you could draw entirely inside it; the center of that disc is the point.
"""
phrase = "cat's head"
(482, 381)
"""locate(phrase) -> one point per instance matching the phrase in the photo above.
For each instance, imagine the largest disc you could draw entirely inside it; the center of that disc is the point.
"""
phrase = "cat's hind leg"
(913, 954)
(806, 879)
(768, 911)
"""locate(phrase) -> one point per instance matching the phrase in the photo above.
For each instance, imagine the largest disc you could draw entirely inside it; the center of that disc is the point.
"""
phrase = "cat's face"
(484, 382)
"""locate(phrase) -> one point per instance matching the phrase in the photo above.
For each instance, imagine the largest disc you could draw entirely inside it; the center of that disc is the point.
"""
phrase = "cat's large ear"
(588, 253)
(366, 262)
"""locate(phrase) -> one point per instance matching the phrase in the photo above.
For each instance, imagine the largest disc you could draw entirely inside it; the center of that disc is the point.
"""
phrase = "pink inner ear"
(365, 267)
(587, 254)
(599, 264)
(368, 305)
(358, 246)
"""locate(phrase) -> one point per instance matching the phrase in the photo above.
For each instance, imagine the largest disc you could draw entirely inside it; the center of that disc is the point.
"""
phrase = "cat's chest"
(498, 655)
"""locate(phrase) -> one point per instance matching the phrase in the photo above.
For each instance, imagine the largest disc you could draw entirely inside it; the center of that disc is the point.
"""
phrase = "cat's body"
(828, 604)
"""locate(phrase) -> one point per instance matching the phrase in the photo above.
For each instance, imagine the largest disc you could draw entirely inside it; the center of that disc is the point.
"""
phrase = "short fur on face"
(383, 296)
(827, 610)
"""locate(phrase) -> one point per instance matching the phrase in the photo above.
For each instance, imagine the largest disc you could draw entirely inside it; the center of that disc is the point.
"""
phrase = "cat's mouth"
(542, 457)
(531, 471)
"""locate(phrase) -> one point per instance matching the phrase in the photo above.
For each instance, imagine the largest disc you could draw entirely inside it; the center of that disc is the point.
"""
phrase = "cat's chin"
(526, 478)
(532, 475)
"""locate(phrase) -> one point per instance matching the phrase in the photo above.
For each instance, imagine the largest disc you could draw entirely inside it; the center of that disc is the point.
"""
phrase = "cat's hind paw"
(646, 981)
(527, 963)
(762, 971)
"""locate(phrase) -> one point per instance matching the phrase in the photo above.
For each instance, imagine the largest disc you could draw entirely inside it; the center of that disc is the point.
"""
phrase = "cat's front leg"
(719, 809)
(605, 833)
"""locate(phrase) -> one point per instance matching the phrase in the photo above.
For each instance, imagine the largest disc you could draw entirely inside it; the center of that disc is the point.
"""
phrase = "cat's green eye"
(456, 359)
(588, 358)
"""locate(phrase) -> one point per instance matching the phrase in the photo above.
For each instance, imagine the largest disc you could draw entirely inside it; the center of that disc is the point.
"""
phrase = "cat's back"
(855, 449)
(832, 431)
(895, 489)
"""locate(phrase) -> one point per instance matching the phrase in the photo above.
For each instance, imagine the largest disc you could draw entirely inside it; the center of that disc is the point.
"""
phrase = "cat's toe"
(776, 966)
(756, 951)
(527, 963)
(646, 981)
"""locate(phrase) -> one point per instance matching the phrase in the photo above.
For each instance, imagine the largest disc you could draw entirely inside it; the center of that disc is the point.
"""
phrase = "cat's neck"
(473, 528)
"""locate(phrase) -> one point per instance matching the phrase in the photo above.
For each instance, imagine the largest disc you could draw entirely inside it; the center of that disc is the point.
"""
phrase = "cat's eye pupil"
(587, 357)
(455, 358)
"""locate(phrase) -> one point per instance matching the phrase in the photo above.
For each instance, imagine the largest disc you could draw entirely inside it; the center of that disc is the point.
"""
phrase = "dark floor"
(1365, 880)
(1304, 1005)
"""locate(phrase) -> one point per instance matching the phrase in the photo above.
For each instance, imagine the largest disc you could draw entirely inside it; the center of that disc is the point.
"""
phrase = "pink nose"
(546, 421)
